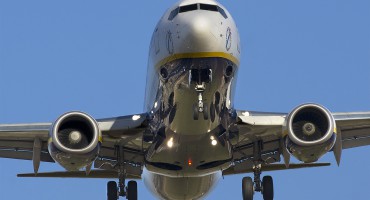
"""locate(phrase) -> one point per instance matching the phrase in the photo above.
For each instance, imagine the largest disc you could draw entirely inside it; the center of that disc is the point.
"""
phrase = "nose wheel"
(204, 111)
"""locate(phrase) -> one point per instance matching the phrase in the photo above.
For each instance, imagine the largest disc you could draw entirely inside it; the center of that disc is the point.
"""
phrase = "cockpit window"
(222, 12)
(192, 7)
(208, 7)
(173, 14)
(188, 8)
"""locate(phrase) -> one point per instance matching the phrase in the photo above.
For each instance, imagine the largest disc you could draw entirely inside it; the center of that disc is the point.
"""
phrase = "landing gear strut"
(200, 106)
(114, 191)
(266, 186)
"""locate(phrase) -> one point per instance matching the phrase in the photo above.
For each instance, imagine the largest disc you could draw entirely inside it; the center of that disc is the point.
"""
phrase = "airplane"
(189, 104)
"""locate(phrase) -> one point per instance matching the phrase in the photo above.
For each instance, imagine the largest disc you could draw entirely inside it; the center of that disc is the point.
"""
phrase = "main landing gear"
(114, 191)
(266, 186)
(130, 192)
(249, 186)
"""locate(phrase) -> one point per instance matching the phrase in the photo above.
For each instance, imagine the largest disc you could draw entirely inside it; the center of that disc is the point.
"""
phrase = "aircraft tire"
(112, 192)
(195, 112)
(205, 112)
(247, 188)
(212, 112)
(132, 190)
(267, 188)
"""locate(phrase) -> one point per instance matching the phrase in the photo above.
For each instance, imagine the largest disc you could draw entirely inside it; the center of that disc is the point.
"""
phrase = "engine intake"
(311, 132)
(74, 140)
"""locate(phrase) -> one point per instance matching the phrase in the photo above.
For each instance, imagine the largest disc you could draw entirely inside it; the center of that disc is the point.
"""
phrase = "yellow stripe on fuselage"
(198, 55)
(50, 140)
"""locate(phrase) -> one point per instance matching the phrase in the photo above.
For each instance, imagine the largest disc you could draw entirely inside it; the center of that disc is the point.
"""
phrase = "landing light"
(245, 113)
(170, 143)
(213, 140)
(155, 104)
(135, 117)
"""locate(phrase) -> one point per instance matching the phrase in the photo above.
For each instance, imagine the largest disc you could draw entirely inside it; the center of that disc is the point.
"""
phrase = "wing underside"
(267, 129)
(30, 142)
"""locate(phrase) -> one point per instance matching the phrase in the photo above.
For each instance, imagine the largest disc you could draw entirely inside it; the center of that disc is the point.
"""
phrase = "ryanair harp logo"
(228, 38)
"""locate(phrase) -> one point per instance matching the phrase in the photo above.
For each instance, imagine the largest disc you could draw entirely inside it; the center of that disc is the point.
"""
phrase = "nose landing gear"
(200, 77)
(200, 107)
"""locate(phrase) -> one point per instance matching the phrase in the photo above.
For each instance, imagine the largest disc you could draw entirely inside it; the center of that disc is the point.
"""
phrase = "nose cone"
(201, 32)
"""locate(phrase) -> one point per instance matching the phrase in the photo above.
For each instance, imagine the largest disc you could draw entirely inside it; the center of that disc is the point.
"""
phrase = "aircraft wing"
(18, 141)
(354, 127)
(267, 128)
(259, 126)
(30, 142)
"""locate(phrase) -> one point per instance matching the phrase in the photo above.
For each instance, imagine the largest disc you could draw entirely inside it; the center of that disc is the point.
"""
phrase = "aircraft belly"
(187, 188)
(190, 141)
(177, 94)
(193, 156)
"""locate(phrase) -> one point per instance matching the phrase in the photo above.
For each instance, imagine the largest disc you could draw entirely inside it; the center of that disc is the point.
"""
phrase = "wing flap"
(79, 174)
(241, 169)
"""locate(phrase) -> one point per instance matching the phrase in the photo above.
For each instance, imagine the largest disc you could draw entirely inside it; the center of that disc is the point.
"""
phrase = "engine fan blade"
(73, 138)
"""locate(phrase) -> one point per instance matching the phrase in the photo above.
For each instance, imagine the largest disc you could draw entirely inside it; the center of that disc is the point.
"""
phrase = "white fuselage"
(193, 61)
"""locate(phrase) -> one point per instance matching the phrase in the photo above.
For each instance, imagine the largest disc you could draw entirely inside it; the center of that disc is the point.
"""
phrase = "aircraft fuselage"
(193, 62)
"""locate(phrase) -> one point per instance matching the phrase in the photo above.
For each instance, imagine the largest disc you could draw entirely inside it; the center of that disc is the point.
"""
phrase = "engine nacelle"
(74, 140)
(311, 132)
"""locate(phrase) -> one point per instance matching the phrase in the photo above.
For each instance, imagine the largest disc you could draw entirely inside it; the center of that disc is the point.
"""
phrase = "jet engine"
(74, 140)
(311, 132)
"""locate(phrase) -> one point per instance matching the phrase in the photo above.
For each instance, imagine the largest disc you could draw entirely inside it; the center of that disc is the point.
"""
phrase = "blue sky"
(57, 56)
